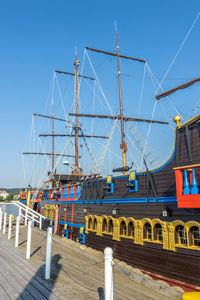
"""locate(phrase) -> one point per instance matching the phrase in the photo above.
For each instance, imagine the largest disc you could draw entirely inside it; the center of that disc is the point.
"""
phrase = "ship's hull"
(150, 219)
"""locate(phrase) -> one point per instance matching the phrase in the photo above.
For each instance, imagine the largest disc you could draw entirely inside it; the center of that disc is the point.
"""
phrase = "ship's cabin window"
(158, 233)
(147, 231)
(90, 223)
(195, 236)
(181, 235)
(95, 224)
(110, 226)
(104, 225)
(122, 228)
(131, 229)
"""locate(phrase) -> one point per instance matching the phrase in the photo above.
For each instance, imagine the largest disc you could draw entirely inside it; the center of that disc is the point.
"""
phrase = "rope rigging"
(98, 163)
(179, 50)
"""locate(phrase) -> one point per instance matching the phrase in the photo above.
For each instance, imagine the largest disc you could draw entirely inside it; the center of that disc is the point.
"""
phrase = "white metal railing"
(28, 213)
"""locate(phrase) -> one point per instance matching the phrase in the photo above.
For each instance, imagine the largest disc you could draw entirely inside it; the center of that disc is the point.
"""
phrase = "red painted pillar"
(72, 220)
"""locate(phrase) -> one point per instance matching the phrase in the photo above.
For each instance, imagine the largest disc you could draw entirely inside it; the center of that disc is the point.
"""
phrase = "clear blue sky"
(40, 36)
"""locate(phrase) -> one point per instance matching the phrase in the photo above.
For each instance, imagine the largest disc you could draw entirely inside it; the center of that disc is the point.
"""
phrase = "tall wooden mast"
(77, 170)
(123, 145)
(52, 114)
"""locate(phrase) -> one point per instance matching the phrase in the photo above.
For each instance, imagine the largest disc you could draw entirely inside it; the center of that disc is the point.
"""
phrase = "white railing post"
(33, 222)
(20, 212)
(40, 223)
(9, 227)
(28, 247)
(26, 214)
(48, 253)
(1, 214)
(4, 223)
(108, 273)
(17, 232)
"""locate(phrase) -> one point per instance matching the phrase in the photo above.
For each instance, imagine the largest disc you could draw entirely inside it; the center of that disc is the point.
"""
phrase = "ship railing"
(29, 214)
(187, 186)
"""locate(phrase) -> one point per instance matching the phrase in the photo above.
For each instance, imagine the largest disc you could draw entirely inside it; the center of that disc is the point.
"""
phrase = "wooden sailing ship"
(151, 218)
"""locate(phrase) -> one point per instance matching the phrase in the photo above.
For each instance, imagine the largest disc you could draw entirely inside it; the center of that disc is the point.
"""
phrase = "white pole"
(9, 227)
(20, 212)
(40, 223)
(28, 247)
(17, 232)
(108, 273)
(48, 253)
(4, 223)
(26, 213)
(1, 214)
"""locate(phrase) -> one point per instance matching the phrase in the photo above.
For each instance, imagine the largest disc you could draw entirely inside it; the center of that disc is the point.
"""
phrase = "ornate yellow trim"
(168, 230)
(135, 237)
(186, 167)
(99, 226)
(165, 241)
(190, 224)
(190, 121)
(49, 211)
(116, 235)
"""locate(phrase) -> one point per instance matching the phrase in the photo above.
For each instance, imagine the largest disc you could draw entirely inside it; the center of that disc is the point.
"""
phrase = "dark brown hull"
(155, 202)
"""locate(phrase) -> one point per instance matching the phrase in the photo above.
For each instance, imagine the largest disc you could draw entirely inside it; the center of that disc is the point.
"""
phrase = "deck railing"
(29, 214)
(187, 186)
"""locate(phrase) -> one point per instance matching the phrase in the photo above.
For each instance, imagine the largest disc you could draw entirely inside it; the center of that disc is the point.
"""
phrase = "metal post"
(9, 227)
(17, 232)
(1, 214)
(108, 273)
(26, 213)
(48, 253)
(28, 248)
(4, 223)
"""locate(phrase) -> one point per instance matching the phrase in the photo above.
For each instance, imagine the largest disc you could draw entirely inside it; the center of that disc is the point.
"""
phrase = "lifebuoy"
(23, 196)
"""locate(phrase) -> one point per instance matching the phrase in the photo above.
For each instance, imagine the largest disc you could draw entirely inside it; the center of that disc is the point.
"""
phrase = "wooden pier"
(74, 276)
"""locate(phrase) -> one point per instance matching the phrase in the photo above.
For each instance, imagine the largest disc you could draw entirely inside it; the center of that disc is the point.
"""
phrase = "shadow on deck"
(38, 287)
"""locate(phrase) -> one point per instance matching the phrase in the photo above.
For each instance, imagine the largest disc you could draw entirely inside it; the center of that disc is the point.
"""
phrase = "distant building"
(4, 194)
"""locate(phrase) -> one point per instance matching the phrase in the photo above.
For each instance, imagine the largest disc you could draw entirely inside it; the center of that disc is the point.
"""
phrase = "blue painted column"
(186, 185)
(194, 189)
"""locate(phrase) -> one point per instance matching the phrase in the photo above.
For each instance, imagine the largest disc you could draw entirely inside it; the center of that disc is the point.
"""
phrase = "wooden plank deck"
(73, 277)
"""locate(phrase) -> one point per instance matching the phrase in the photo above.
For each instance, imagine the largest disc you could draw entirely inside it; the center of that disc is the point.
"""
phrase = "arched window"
(147, 231)
(110, 226)
(95, 224)
(90, 223)
(158, 233)
(122, 228)
(195, 236)
(104, 226)
(180, 235)
(131, 229)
